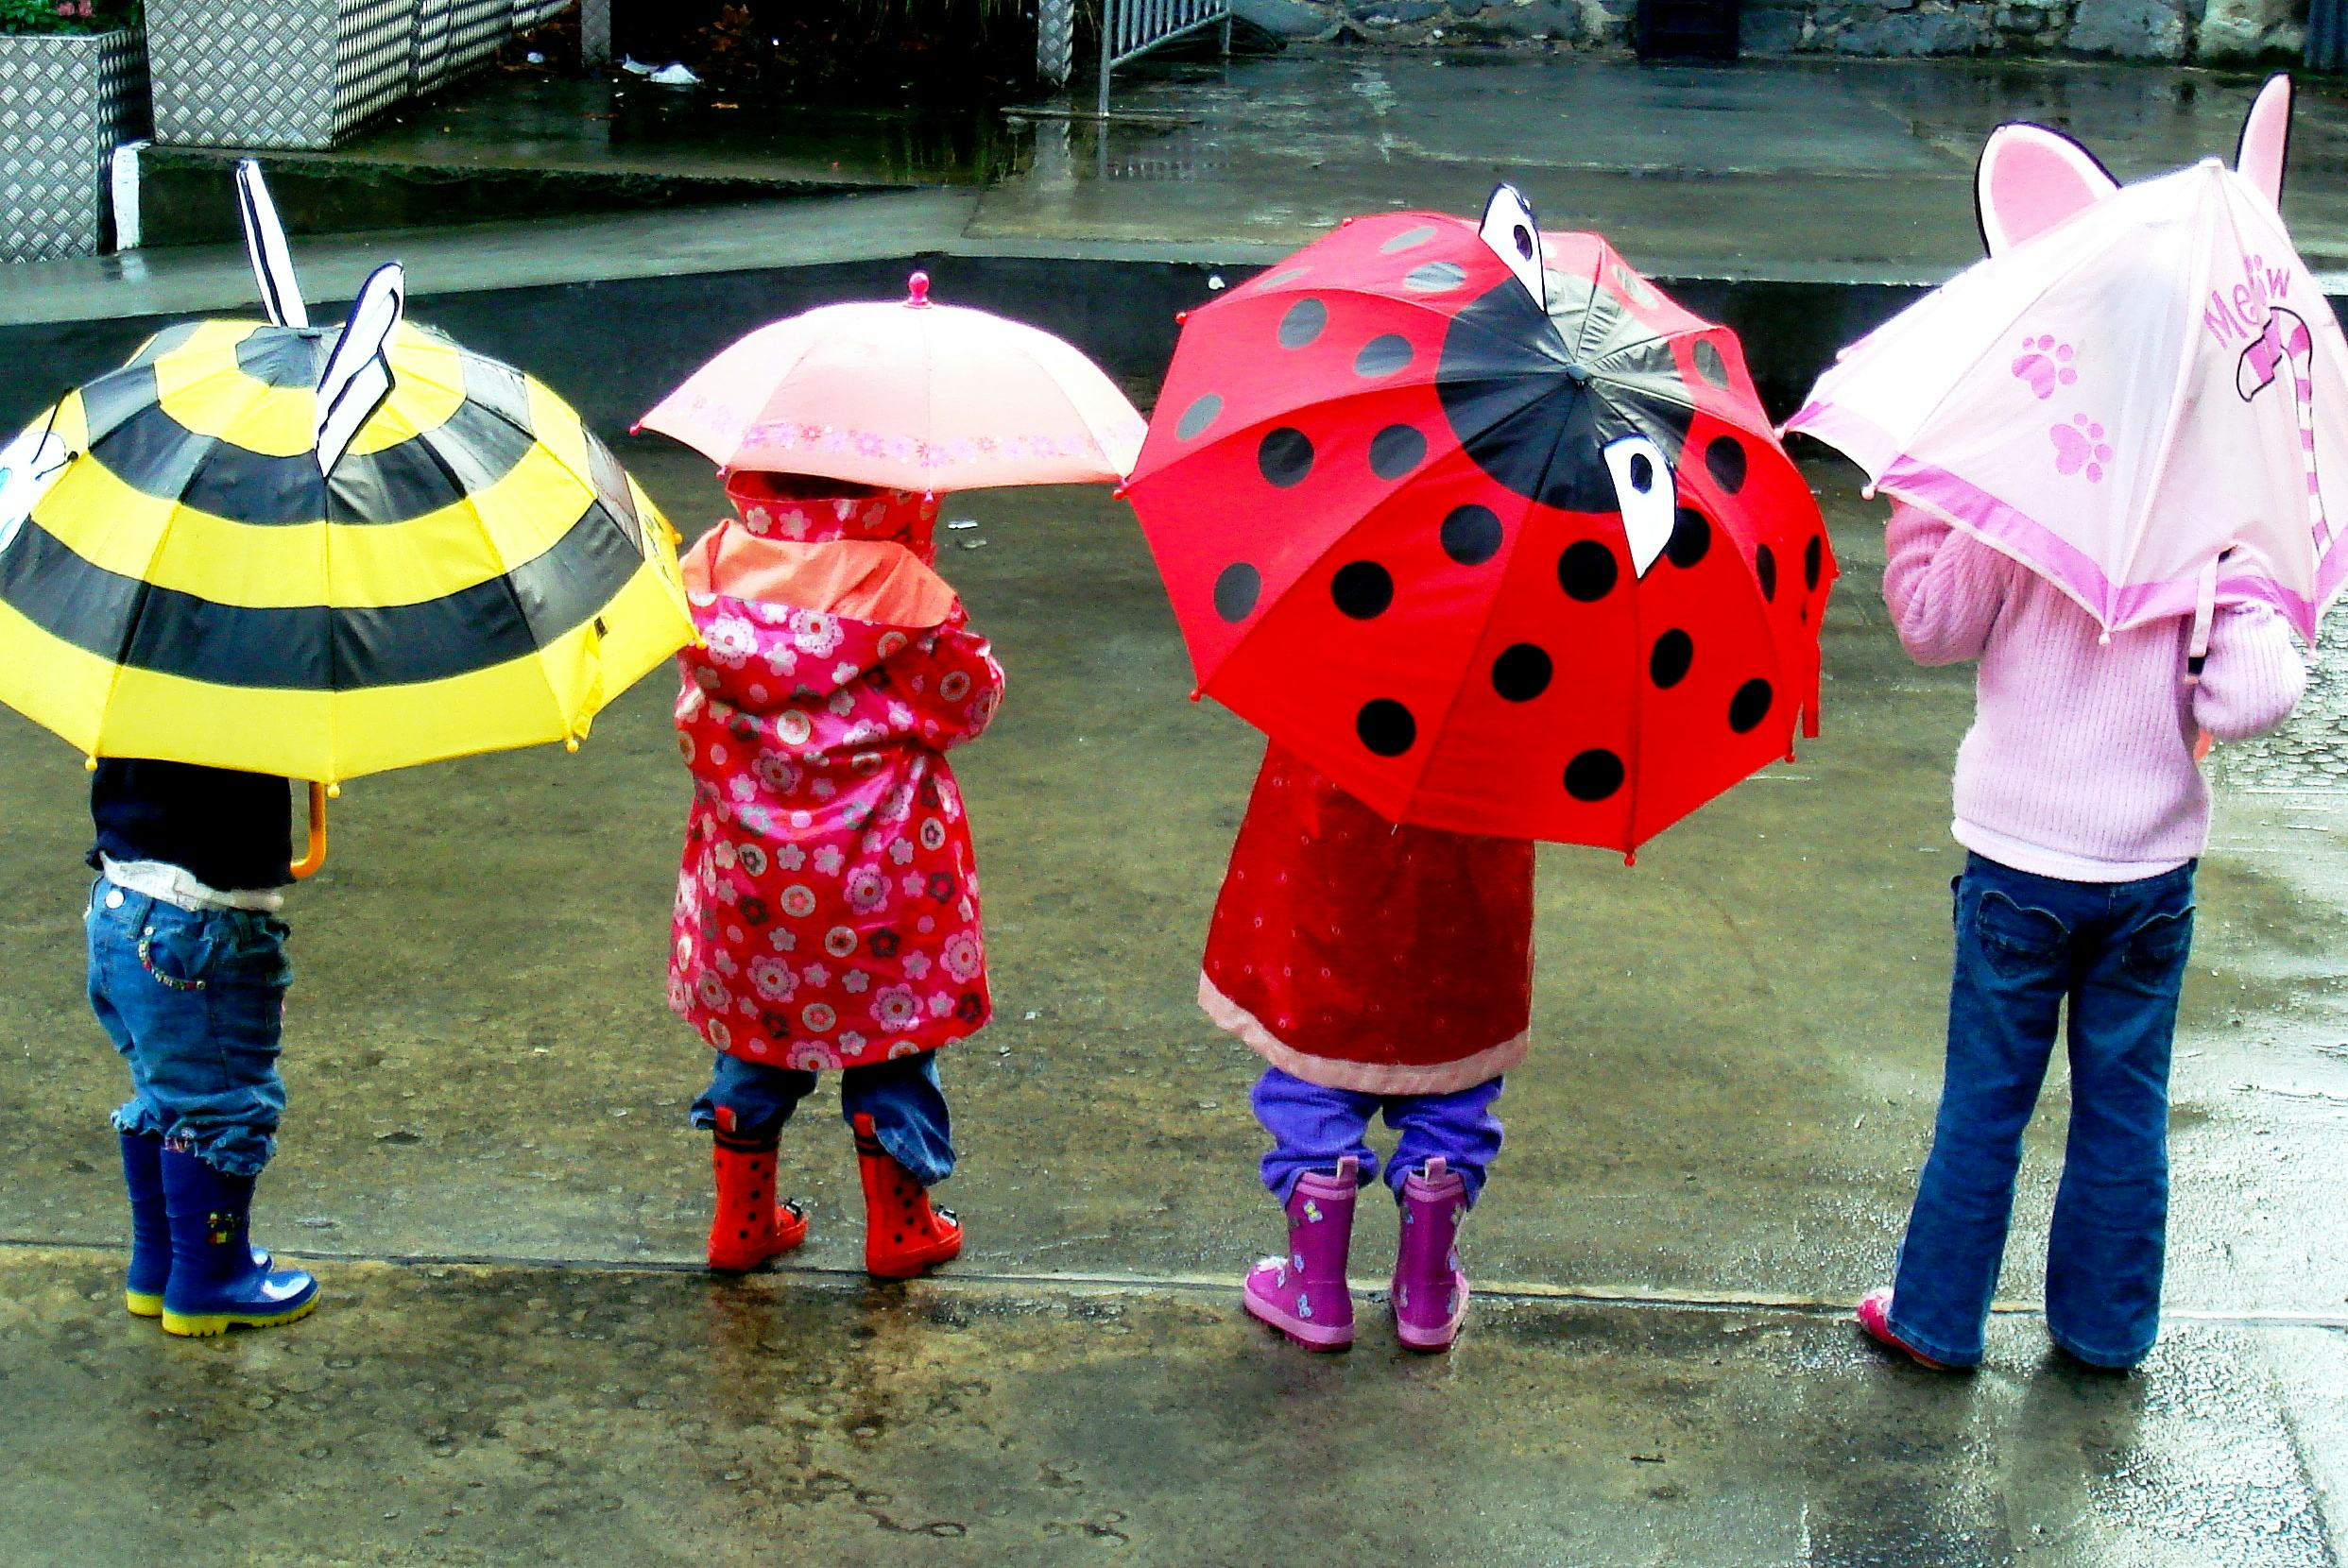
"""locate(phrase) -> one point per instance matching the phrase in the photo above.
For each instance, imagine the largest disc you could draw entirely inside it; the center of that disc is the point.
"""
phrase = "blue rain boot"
(216, 1284)
(150, 1227)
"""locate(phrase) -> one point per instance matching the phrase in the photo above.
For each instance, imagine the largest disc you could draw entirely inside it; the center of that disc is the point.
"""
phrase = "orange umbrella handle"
(307, 867)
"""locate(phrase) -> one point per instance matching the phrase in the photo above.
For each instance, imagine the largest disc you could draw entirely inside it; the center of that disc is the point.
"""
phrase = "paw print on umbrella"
(1487, 529)
(2045, 366)
(2079, 447)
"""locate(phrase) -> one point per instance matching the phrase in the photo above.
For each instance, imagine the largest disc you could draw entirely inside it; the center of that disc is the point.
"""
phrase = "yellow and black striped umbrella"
(476, 573)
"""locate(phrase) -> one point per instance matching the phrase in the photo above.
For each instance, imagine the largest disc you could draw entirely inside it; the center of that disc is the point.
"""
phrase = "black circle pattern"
(1362, 590)
(1284, 456)
(1521, 673)
(1396, 451)
(1236, 589)
(1813, 561)
(1765, 568)
(1594, 774)
(1385, 726)
(1668, 662)
(1471, 535)
(1724, 457)
(1587, 571)
(1690, 540)
(1750, 706)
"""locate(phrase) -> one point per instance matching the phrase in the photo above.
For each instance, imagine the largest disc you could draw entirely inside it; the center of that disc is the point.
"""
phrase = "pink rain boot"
(1874, 1315)
(1304, 1295)
(1429, 1293)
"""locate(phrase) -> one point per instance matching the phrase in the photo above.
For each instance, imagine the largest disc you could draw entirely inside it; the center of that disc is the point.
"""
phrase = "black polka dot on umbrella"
(1471, 535)
(1669, 660)
(1284, 456)
(1201, 412)
(1724, 459)
(1362, 590)
(1710, 362)
(1586, 571)
(1750, 706)
(1434, 278)
(1303, 323)
(1236, 587)
(1594, 774)
(1410, 239)
(1765, 568)
(1385, 726)
(1396, 451)
(1382, 355)
(1521, 673)
(1813, 561)
(1691, 538)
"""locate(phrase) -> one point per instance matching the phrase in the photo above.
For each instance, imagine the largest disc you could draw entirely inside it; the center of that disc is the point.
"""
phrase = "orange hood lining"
(873, 580)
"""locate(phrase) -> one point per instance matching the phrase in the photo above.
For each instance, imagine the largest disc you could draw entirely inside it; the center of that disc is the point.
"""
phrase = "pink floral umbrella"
(2138, 381)
(910, 395)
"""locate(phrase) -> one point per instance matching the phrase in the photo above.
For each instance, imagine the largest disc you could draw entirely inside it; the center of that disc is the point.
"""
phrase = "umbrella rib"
(2141, 510)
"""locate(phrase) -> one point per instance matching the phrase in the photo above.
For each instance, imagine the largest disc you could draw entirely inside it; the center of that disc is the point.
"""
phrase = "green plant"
(67, 16)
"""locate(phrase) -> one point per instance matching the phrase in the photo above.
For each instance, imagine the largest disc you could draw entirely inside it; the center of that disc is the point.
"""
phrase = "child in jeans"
(827, 913)
(1379, 971)
(188, 977)
(2078, 795)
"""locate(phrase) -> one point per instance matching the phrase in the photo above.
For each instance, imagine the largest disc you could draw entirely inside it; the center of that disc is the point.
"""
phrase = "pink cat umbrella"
(2137, 382)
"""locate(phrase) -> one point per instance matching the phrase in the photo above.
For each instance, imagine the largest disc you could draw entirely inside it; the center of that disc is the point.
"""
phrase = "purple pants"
(1313, 1127)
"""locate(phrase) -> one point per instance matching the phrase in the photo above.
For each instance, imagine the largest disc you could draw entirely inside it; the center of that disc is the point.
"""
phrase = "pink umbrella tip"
(917, 290)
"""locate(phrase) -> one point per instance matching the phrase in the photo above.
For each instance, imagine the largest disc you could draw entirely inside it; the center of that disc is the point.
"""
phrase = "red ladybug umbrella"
(1480, 523)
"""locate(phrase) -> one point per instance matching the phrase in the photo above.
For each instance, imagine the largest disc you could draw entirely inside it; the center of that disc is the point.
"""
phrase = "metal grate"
(1131, 28)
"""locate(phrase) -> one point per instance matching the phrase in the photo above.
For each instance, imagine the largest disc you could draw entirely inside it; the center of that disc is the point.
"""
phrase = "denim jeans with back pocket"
(194, 1000)
(2029, 947)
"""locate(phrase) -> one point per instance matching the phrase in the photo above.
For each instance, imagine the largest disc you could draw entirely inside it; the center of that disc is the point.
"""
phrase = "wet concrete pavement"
(1710, 1153)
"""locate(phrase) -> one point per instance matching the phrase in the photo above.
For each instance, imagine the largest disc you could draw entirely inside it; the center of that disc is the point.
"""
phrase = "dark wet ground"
(1710, 1153)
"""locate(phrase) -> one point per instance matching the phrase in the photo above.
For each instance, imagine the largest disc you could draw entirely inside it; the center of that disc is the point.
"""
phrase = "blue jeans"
(2027, 946)
(194, 1001)
(1313, 1127)
(901, 1096)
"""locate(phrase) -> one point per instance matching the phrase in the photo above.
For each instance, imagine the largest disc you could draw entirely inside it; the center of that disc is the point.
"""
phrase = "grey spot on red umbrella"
(1594, 774)
(1586, 571)
(1410, 239)
(1471, 535)
(1362, 590)
(1382, 356)
(1521, 673)
(1303, 323)
(1201, 412)
(1385, 726)
(1434, 278)
(1236, 589)
(1284, 456)
(1667, 662)
(1396, 451)
(1711, 363)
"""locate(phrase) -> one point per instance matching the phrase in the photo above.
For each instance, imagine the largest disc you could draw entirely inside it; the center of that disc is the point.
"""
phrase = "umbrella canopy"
(1487, 529)
(910, 395)
(2136, 379)
(198, 581)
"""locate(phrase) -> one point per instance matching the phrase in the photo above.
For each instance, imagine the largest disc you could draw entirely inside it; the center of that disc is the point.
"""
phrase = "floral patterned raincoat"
(826, 912)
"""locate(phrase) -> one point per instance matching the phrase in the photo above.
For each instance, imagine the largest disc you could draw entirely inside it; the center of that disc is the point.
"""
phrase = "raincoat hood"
(907, 517)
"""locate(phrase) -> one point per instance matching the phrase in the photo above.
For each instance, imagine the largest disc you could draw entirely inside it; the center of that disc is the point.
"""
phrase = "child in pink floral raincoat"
(827, 913)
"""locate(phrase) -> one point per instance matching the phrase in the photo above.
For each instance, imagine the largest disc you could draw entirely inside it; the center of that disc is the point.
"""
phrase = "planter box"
(304, 73)
(66, 103)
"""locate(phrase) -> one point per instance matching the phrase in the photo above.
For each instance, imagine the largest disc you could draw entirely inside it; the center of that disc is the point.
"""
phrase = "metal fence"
(1131, 28)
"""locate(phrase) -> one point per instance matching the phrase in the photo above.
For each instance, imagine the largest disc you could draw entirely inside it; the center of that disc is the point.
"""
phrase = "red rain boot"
(903, 1235)
(751, 1225)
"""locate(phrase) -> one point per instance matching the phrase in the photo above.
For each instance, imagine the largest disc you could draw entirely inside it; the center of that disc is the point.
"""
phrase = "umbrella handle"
(307, 867)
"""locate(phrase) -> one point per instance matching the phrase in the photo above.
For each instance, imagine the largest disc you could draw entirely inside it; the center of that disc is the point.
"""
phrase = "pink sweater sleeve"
(1944, 588)
(2254, 675)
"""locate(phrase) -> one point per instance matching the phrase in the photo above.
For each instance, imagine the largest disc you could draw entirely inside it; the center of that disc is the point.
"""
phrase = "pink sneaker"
(1305, 1295)
(1874, 1315)
(1429, 1293)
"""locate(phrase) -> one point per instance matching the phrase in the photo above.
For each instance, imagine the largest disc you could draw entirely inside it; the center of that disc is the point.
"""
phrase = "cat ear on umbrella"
(2267, 137)
(2032, 179)
(1510, 230)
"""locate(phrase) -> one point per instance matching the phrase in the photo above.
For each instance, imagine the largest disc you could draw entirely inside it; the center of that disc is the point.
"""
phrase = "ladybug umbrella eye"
(1646, 496)
(1515, 236)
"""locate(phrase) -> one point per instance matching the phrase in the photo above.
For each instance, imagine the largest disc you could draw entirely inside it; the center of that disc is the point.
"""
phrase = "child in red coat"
(1379, 971)
(827, 913)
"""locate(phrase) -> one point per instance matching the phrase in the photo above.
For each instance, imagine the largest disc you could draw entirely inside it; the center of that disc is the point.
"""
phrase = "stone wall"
(2207, 31)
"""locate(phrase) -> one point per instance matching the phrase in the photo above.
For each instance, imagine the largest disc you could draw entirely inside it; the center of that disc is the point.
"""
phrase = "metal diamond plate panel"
(66, 105)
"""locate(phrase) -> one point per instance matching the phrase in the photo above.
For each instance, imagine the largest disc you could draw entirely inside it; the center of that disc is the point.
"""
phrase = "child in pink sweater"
(2079, 799)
